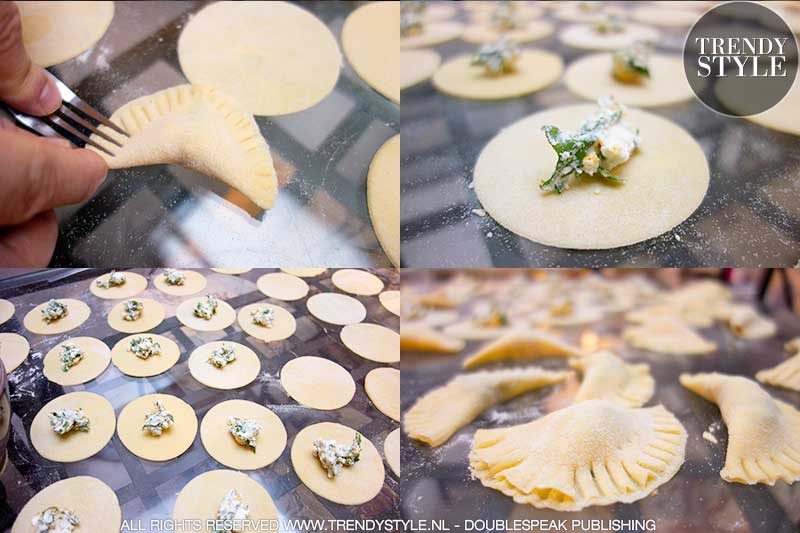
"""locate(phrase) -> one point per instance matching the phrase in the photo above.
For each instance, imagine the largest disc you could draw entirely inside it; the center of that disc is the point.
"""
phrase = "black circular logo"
(740, 58)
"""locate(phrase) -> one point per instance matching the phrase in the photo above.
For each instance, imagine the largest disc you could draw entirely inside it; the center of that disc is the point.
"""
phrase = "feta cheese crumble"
(221, 356)
(144, 347)
(174, 277)
(157, 421)
(333, 455)
(65, 420)
(497, 58)
(632, 64)
(55, 520)
(54, 310)
(244, 431)
(132, 310)
(206, 308)
(231, 509)
(262, 316)
(115, 279)
(71, 355)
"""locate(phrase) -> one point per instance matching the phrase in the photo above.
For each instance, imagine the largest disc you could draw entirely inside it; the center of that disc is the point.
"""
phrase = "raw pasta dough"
(763, 433)
(372, 341)
(482, 33)
(359, 282)
(584, 36)
(371, 42)
(6, 311)
(78, 313)
(281, 286)
(283, 323)
(421, 338)
(134, 284)
(273, 57)
(318, 383)
(14, 349)
(220, 444)
(152, 315)
(668, 336)
(383, 388)
(355, 484)
(391, 450)
(745, 322)
(534, 70)
(75, 445)
(522, 345)
(224, 317)
(131, 365)
(436, 416)
(417, 66)
(194, 283)
(54, 32)
(304, 272)
(238, 373)
(337, 309)
(95, 360)
(197, 127)
(433, 34)
(607, 377)
(591, 453)
(383, 200)
(593, 213)
(469, 330)
(783, 116)
(172, 442)
(657, 16)
(231, 271)
(390, 300)
(93, 502)
(786, 374)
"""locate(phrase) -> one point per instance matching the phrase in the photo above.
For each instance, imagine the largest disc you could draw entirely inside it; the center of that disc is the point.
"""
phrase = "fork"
(67, 119)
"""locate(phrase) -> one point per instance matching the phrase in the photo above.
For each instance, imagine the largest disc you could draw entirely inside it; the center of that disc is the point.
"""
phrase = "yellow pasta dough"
(134, 284)
(667, 336)
(131, 364)
(14, 349)
(432, 34)
(521, 345)
(391, 450)
(77, 313)
(786, 374)
(223, 318)
(94, 361)
(371, 42)
(584, 36)
(359, 282)
(283, 323)
(238, 373)
(172, 442)
(152, 314)
(318, 383)
(746, 322)
(417, 66)
(421, 338)
(231, 271)
(383, 388)
(338, 309)
(372, 341)
(304, 272)
(607, 377)
(194, 283)
(383, 200)
(390, 300)
(282, 286)
(6, 311)
(532, 31)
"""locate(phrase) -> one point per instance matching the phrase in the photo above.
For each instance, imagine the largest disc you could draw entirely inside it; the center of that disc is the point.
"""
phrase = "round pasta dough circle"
(272, 57)
(54, 32)
(355, 484)
(171, 443)
(75, 445)
(383, 388)
(194, 283)
(134, 284)
(534, 70)
(371, 43)
(152, 315)
(417, 66)
(95, 360)
(14, 349)
(373, 342)
(590, 77)
(243, 371)
(657, 16)
(224, 317)
(433, 34)
(93, 502)
(220, 444)
(318, 383)
(583, 36)
(338, 309)
(200, 498)
(783, 116)
(593, 214)
(304, 272)
(390, 300)
(131, 365)
(283, 323)
(77, 313)
(391, 450)
(358, 282)
(533, 31)
(231, 271)
(6, 311)
(282, 286)
(383, 201)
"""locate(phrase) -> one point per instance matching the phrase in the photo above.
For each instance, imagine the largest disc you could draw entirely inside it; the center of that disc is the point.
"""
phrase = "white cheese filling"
(71, 355)
(333, 456)
(55, 520)
(244, 431)
(65, 420)
(157, 421)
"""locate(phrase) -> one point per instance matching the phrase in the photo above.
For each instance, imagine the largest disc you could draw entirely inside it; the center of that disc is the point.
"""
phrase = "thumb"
(23, 85)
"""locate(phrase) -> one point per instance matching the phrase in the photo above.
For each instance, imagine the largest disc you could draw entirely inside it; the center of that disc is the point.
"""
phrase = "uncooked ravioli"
(593, 213)
(358, 282)
(75, 445)
(14, 349)
(282, 286)
(432, 34)
(584, 36)
(372, 341)
(272, 57)
(371, 42)
(317, 383)
(390, 300)
(220, 444)
(383, 388)
(152, 314)
(482, 33)
(238, 373)
(77, 313)
(132, 365)
(54, 32)
(391, 450)
(6, 311)
(194, 283)
(93, 502)
(533, 71)
(383, 198)
(283, 323)
(95, 360)
(590, 77)
(338, 309)
(417, 66)
(172, 442)
(355, 484)
(134, 284)
(224, 317)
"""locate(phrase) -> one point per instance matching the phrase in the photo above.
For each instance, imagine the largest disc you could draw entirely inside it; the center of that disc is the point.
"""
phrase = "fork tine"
(56, 121)
(91, 112)
(65, 113)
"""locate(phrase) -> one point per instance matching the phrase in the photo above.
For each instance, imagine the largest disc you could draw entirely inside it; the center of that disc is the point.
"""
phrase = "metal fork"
(67, 119)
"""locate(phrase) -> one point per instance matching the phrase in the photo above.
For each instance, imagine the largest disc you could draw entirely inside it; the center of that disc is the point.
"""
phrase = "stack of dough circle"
(383, 201)
(391, 449)
(355, 484)
(54, 32)
(232, 271)
(337, 309)
(272, 57)
(238, 373)
(383, 388)
(358, 282)
(134, 284)
(95, 360)
(14, 349)
(304, 272)
(373, 342)
(172, 442)
(584, 36)
(132, 365)
(283, 323)
(317, 383)
(390, 300)
(78, 313)
(220, 444)
(93, 502)
(535, 30)
(194, 283)
(282, 286)
(200, 498)
(224, 317)
(75, 445)
(152, 314)
(417, 66)
(371, 43)
(6, 311)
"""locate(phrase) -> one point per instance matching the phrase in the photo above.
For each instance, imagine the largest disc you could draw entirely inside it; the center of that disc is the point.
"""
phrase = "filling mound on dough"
(132, 310)
(410, 23)
(54, 310)
(55, 520)
(65, 420)
(174, 277)
(231, 509)
(494, 318)
(115, 279)
(71, 355)
(244, 431)
(333, 456)
(611, 23)
(497, 58)
(262, 317)
(144, 347)
(602, 142)
(155, 422)
(632, 64)
(206, 308)
(504, 16)
(221, 356)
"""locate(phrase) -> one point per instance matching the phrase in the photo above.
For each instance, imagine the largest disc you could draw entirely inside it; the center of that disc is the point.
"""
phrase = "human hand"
(37, 174)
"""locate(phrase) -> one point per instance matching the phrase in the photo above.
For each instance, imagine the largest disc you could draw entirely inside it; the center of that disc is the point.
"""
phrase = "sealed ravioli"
(607, 377)
(521, 345)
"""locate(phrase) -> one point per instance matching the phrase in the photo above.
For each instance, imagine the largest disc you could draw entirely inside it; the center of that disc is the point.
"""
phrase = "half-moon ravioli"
(522, 345)
(591, 453)
(669, 336)
(436, 416)
(421, 338)
(786, 374)
(763, 433)
(197, 127)
(606, 376)
(746, 322)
